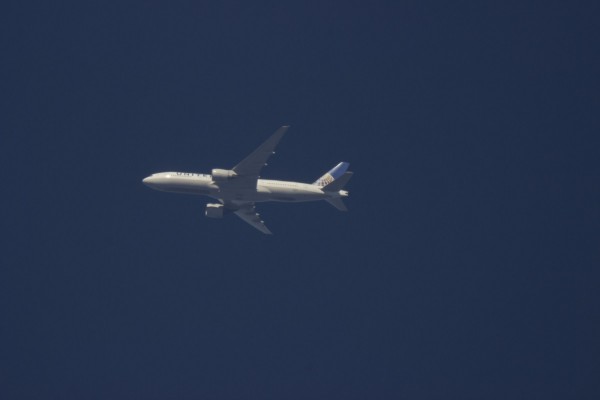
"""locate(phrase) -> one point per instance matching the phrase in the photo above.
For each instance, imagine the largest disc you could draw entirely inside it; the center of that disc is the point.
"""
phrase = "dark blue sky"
(467, 266)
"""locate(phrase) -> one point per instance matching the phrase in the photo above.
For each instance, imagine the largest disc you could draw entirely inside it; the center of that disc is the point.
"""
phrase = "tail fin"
(332, 174)
(338, 184)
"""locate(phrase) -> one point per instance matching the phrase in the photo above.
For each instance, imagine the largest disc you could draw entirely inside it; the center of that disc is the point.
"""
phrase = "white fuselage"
(265, 190)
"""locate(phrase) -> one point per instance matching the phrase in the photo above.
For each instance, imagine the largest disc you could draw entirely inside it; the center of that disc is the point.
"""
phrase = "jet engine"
(214, 210)
(221, 175)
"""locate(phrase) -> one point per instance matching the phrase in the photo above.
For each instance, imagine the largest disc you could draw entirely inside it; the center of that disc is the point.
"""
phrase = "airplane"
(237, 190)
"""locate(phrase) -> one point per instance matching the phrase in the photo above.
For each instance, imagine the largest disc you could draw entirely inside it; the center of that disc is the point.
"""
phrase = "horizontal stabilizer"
(337, 203)
(339, 183)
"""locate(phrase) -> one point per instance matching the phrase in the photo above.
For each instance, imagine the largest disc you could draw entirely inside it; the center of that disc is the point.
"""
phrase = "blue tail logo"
(332, 174)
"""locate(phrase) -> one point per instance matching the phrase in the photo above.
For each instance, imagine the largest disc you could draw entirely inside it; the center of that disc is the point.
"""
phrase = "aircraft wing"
(248, 213)
(250, 166)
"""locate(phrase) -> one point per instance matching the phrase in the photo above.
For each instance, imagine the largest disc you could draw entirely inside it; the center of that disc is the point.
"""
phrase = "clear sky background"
(467, 266)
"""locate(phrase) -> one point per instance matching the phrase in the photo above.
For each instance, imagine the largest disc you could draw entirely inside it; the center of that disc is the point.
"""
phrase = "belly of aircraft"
(185, 186)
(284, 194)
(260, 194)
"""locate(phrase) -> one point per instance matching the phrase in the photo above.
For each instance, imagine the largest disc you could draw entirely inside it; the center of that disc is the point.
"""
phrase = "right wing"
(248, 213)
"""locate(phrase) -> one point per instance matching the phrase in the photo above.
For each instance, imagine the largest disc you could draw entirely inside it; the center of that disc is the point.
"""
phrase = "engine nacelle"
(221, 175)
(214, 210)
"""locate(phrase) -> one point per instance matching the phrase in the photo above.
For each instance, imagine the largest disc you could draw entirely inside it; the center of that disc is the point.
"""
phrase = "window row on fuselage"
(192, 174)
(284, 183)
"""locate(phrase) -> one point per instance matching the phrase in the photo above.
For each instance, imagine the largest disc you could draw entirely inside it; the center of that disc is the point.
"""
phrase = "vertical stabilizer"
(332, 174)
(338, 184)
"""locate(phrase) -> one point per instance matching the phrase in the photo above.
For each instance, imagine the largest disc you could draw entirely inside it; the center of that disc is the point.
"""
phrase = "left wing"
(250, 166)
(247, 212)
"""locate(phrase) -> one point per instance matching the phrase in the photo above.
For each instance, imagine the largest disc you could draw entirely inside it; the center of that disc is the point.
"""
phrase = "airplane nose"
(147, 180)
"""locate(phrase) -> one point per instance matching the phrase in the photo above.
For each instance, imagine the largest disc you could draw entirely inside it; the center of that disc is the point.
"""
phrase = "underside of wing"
(251, 166)
(248, 213)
